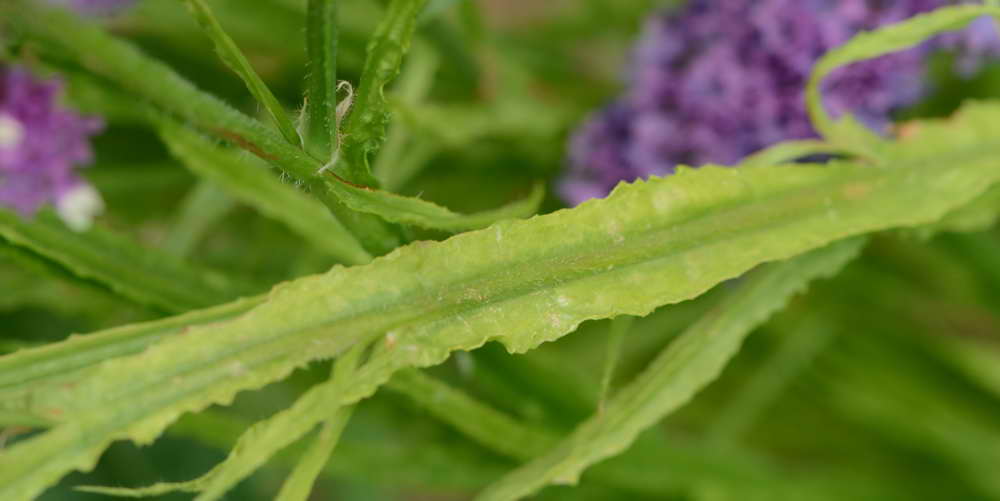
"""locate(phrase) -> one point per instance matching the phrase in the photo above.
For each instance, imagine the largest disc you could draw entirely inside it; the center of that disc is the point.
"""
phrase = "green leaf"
(152, 81)
(27, 376)
(790, 151)
(299, 484)
(230, 54)
(847, 133)
(155, 83)
(366, 125)
(24, 274)
(519, 282)
(403, 155)
(689, 363)
(321, 102)
(251, 183)
(409, 210)
(140, 274)
(266, 438)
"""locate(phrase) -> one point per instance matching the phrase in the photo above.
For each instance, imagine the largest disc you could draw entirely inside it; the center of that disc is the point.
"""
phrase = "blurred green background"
(883, 383)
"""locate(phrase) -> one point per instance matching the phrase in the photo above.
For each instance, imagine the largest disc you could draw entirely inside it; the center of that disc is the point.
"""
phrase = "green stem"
(321, 104)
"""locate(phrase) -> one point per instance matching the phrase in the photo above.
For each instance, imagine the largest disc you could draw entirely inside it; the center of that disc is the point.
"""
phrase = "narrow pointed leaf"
(791, 151)
(299, 484)
(848, 133)
(263, 439)
(409, 210)
(230, 54)
(143, 275)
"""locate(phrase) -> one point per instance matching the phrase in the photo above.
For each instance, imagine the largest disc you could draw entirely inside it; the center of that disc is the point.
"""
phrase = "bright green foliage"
(519, 282)
(677, 237)
(142, 275)
(366, 126)
(689, 363)
(227, 50)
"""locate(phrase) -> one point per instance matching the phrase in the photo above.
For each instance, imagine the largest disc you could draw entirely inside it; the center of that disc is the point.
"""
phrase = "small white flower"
(78, 207)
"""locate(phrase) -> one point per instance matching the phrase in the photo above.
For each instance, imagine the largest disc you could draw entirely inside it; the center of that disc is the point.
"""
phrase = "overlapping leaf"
(257, 187)
(519, 282)
(681, 370)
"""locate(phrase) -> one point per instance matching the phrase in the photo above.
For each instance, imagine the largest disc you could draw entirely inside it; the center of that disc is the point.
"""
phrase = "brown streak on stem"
(245, 144)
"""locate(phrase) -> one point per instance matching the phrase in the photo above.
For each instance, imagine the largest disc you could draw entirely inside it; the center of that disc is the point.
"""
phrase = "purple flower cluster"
(719, 80)
(41, 146)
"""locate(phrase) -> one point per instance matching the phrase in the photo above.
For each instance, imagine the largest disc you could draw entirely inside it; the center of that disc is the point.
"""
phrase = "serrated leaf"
(143, 275)
(689, 363)
(366, 125)
(230, 54)
(410, 210)
(252, 184)
(265, 438)
(29, 374)
(847, 132)
(519, 282)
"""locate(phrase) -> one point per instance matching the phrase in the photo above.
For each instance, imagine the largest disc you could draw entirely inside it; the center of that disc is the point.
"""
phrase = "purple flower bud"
(717, 81)
(41, 146)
